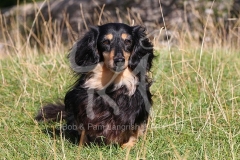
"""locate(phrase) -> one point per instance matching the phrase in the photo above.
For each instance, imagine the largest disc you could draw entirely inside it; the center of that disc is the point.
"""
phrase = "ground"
(195, 115)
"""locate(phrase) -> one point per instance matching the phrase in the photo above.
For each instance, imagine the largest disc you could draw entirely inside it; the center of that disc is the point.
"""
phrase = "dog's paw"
(131, 142)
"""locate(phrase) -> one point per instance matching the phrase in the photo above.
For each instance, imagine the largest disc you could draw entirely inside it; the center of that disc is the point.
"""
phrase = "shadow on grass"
(70, 135)
(73, 137)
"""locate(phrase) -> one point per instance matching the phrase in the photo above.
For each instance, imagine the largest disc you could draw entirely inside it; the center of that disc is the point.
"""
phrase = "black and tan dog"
(110, 101)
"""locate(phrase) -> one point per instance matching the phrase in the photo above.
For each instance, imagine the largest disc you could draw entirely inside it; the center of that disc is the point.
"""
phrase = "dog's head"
(118, 45)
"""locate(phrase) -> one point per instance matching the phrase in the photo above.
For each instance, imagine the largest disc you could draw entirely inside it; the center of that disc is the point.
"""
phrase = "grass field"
(196, 111)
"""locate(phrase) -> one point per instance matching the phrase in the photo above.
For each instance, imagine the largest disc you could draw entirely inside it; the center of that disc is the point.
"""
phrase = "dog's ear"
(143, 48)
(85, 50)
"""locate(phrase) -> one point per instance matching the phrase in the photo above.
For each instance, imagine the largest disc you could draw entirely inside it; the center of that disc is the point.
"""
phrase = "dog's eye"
(106, 42)
(127, 42)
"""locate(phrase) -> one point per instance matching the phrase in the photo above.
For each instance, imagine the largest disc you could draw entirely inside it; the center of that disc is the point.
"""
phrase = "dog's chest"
(100, 78)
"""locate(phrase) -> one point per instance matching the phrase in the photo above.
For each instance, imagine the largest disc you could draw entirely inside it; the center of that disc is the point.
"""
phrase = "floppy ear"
(86, 53)
(142, 48)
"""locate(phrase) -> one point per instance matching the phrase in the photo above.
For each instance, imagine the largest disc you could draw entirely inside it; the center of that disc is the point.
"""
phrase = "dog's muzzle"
(119, 60)
(119, 63)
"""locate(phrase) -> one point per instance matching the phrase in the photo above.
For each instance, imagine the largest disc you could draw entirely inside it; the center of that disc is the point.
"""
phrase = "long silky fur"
(132, 109)
(51, 112)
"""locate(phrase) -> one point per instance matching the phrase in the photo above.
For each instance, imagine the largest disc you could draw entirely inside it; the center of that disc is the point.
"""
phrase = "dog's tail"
(52, 112)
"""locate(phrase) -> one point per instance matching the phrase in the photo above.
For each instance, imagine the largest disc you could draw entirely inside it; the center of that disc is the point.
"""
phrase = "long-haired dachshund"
(110, 101)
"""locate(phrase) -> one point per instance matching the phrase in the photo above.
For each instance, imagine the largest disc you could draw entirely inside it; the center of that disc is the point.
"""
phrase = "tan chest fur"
(101, 77)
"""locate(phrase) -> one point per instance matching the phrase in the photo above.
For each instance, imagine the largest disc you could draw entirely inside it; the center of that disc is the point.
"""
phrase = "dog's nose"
(118, 59)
